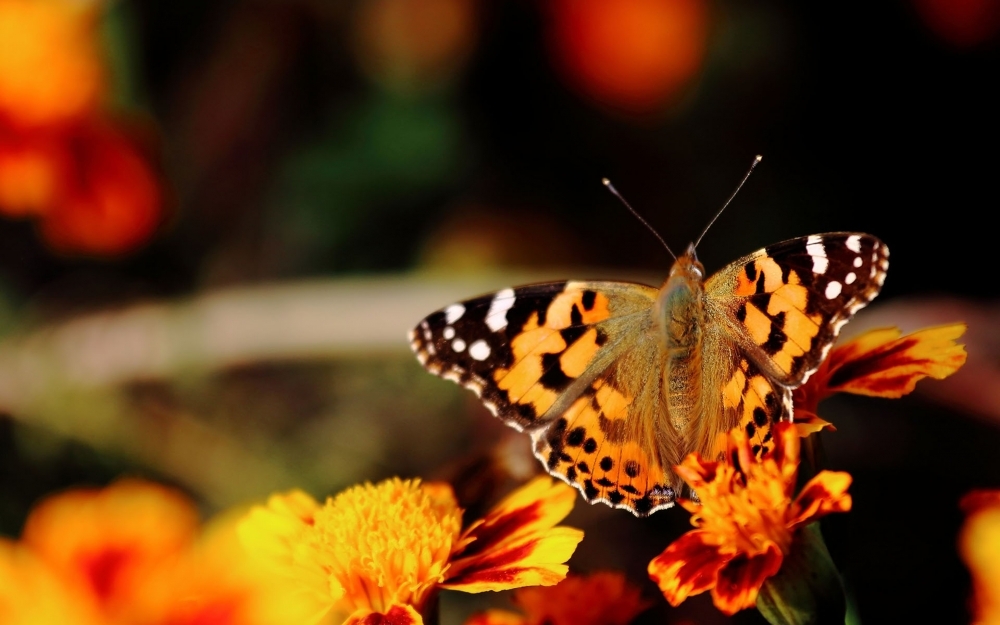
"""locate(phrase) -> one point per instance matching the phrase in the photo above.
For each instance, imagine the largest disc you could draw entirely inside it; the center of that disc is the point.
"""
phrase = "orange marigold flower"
(131, 553)
(110, 200)
(51, 71)
(601, 598)
(879, 363)
(745, 522)
(379, 553)
(979, 546)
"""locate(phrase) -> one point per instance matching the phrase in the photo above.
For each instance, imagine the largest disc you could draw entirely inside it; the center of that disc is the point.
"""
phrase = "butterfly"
(617, 382)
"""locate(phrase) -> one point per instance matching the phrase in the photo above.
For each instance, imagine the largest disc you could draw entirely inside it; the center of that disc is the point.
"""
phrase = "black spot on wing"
(553, 377)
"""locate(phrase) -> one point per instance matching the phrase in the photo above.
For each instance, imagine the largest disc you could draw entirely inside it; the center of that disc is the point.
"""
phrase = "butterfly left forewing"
(785, 304)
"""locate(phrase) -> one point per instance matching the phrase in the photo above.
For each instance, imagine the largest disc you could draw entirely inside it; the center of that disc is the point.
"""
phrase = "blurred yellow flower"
(382, 551)
(979, 546)
(51, 71)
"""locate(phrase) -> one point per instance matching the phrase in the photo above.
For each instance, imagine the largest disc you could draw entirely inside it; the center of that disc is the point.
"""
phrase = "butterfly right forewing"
(787, 302)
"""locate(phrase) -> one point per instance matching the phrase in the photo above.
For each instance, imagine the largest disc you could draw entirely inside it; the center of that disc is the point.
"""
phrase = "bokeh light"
(635, 55)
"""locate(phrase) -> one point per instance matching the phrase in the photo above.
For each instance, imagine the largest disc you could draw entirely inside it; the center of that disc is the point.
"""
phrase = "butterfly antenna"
(740, 186)
(618, 195)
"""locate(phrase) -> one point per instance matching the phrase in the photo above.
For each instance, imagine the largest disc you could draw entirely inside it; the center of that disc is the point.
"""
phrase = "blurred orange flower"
(636, 55)
(879, 363)
(62, 160)
(379, 553)
(745, 522)
(602, 598)
(979, 546)
(130, 553)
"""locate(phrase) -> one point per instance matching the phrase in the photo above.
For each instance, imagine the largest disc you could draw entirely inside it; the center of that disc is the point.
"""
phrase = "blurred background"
(219, 219)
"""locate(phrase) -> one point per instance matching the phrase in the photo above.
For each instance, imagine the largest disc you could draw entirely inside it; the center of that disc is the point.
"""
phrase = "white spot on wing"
(453, 313)
(854, 243)
(858, 262)
(458, 345)
(479, 350)
(850, 278)
(449, 333)
(814, 245)
(832, 289)
(496, 318)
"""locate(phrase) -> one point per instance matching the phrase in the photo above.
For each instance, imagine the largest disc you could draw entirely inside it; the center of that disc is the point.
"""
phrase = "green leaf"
(807, 590)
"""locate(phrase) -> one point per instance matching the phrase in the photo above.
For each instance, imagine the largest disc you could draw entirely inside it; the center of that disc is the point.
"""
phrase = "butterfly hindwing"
(613, 441)
(787, 302)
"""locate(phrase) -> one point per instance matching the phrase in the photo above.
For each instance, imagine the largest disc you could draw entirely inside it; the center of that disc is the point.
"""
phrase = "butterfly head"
(687, 266)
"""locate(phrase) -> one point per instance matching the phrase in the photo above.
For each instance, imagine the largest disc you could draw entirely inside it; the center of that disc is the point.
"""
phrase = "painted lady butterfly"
(617, 382)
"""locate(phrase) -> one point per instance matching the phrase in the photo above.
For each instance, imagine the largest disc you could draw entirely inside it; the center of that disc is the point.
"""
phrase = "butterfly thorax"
(680, 317)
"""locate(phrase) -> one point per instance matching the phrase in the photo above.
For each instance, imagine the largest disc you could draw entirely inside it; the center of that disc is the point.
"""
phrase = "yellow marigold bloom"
(50, 67)
(979, 546)
(745, 522)
(601, 598)
(879, 363)
(382, 551)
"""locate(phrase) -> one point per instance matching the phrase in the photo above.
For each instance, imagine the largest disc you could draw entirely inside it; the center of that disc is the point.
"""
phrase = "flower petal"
(395, 615)
(516, 544)
(881, 363)
(536, 561)
(825, 493)
(740, 580)
(689, 566)
(807, 423)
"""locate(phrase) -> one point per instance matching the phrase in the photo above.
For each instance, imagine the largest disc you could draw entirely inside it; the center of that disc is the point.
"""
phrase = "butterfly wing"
(783, 307)
(576, 364)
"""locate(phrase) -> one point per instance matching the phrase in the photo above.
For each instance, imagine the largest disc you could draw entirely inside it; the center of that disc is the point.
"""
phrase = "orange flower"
(379, 553)
(109, 202)
(130, 553)
(746, 520)
(979, 546)
(602, 598)
(636, 55)
(879, 363)
(61, 159)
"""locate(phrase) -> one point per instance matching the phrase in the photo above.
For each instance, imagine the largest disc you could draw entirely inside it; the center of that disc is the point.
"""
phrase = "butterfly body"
(617, 382)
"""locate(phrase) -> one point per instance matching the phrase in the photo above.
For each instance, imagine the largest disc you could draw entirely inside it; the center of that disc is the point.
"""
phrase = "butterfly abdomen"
(680, 315)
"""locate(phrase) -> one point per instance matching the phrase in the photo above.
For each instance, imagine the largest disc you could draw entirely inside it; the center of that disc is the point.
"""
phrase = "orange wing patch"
(606, 452)
(553, 347)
